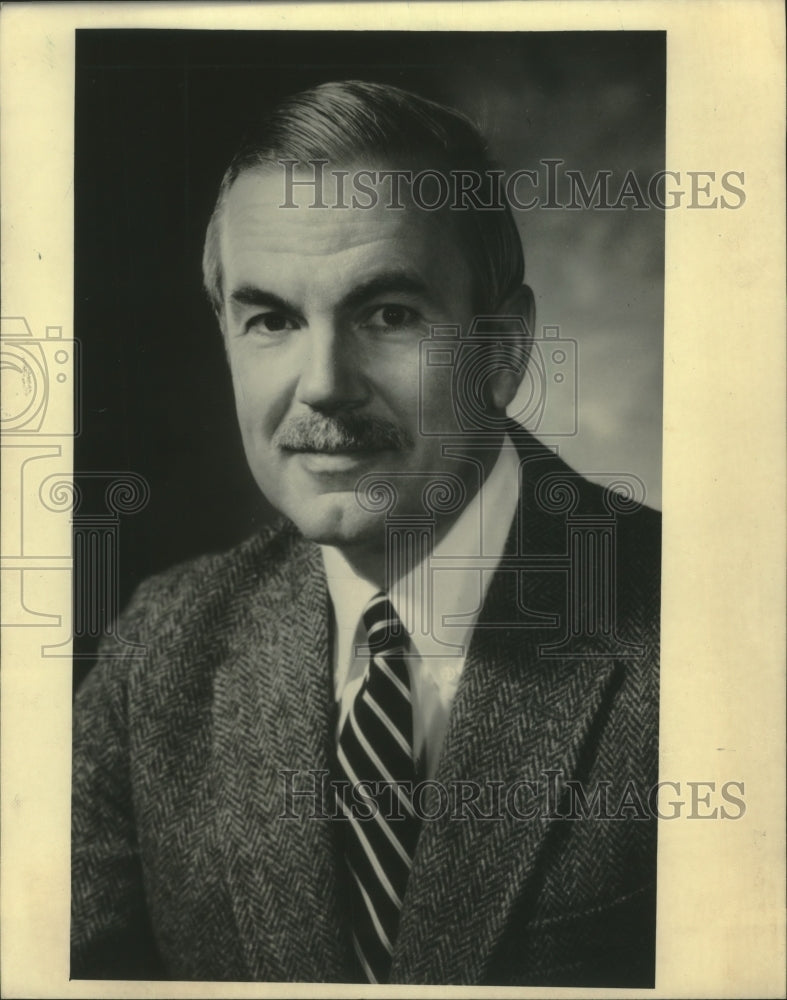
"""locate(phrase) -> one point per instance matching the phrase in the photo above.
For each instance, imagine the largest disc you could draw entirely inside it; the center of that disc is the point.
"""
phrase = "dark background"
(158, 117)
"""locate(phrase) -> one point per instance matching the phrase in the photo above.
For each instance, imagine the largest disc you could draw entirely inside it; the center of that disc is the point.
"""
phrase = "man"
(408, 733)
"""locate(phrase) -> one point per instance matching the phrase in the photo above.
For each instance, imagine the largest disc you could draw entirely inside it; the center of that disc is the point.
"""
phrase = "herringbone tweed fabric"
(187, 865)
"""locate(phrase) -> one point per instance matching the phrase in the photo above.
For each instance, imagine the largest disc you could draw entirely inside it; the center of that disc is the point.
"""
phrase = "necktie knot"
(384, 629)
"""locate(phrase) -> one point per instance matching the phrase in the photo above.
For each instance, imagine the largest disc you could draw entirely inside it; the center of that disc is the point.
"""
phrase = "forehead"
(261, 240)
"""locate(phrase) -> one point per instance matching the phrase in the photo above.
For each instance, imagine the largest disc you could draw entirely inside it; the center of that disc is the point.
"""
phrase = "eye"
(392, 316)
(270, 322)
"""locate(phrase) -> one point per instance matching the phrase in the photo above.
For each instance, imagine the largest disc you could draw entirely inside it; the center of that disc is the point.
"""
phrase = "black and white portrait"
(367, 675)
(391, 429)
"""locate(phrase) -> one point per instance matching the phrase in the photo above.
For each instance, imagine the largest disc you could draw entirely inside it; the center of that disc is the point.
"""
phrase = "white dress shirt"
(439, 650)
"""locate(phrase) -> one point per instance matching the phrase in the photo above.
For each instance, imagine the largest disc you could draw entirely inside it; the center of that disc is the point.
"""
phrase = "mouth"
(333, 461)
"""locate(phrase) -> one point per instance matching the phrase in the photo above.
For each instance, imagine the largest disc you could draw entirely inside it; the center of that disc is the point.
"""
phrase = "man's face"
(324, 310)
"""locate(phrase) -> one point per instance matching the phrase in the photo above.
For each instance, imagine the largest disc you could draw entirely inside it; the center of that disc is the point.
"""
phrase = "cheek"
(399, 380)
(260, 396)
(400, 387)
(434, 405)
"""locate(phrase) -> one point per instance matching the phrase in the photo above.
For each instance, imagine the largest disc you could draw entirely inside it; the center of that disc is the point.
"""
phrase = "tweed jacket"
(188, 863)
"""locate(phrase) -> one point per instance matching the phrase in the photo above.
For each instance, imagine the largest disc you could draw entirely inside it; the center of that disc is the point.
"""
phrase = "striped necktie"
(380, 829)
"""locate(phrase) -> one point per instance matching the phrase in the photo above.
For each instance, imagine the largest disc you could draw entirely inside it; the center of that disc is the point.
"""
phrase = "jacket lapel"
(273, 714)
(516, 716)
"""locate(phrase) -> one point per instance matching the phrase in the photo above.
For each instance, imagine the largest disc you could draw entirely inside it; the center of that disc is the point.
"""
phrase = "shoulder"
(552, 491)
(272, 559)
(181, 623)
(601, 534)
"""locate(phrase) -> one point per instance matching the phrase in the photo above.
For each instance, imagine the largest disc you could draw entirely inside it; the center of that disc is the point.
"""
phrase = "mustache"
(342, 432)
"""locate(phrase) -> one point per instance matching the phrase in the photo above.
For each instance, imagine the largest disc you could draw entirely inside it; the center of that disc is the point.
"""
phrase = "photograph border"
(720, 903)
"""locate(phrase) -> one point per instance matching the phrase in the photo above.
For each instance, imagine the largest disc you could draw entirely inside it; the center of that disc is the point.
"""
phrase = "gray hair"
(339, 122)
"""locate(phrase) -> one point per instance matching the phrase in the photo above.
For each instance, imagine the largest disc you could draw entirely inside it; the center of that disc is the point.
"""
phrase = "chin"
(329, 521)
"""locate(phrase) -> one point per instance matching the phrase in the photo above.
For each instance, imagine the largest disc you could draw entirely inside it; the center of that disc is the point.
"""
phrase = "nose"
(331, 377)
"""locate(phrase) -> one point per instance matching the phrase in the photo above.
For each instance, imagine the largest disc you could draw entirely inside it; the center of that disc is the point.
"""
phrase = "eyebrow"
(385, 283)
(250, 295)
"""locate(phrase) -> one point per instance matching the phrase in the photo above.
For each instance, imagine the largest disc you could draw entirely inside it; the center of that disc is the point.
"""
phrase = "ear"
(506, 383)
(521, 303)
